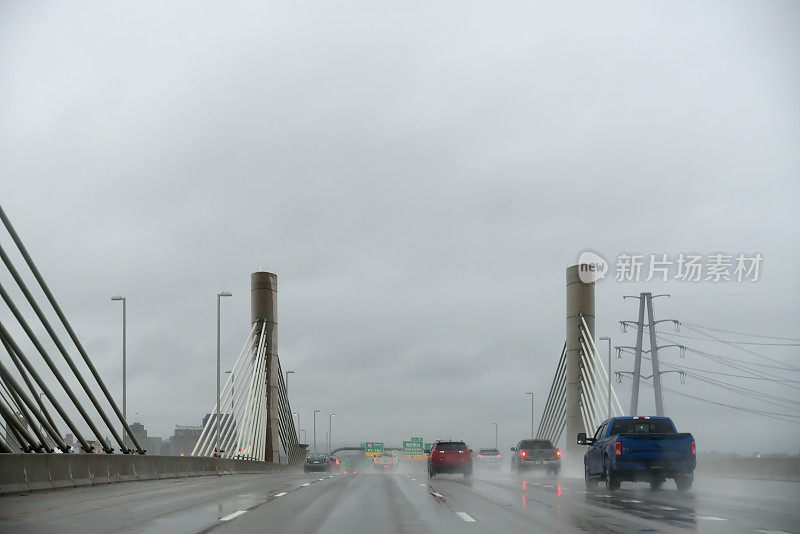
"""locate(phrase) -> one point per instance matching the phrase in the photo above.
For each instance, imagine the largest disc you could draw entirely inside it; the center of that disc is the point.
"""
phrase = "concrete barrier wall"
(787, 468)
(23, 473)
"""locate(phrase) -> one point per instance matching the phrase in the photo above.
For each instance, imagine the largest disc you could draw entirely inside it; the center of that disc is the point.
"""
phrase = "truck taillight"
(558, 453)
(522, 454)
(617, 448)
(693, 447)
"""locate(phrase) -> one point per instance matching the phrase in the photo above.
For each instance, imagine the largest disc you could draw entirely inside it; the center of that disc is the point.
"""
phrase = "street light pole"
(287, 382)
(495, 435)
(124, 368)
(609, 374)
(330, 431)
(219, 297)
(315, 429)
(532, 433)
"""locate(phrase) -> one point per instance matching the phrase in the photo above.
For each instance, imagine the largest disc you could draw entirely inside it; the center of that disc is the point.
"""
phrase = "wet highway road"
(404, 502)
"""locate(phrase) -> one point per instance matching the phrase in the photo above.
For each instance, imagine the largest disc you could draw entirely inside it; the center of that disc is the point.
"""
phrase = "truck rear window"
(641, 426)
(451, 446)
(535, 444)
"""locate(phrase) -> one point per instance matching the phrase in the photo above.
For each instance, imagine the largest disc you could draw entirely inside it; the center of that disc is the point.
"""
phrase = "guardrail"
(23, 473)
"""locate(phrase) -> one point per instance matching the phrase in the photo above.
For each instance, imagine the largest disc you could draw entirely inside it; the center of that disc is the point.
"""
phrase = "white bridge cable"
(200, 446)
(232, 399)
(603, 372)
(232, 402)
(550, 413)
(240, 442)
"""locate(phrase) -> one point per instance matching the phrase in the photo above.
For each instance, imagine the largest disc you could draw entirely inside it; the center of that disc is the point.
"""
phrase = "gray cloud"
(418, 177)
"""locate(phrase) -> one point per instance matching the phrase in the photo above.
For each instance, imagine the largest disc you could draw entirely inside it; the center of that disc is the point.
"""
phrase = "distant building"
(152, 444)
(184, 439)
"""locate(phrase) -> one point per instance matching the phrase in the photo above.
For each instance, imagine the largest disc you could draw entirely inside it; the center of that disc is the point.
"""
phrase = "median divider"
(23, 473)
(37, 474)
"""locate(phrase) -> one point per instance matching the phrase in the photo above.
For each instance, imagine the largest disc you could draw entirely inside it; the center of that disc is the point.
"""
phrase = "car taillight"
(499, 455)
(522, 454)
(617, 448)
(558, 453)
(480, 456)
(693, 448)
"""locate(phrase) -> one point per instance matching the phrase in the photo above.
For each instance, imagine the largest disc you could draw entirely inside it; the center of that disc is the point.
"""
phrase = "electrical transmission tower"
(646, 306)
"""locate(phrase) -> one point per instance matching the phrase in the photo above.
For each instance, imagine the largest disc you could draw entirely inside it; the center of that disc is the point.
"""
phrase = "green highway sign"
(428, 446)
(371, 448)
(413, 449)
(416, 439)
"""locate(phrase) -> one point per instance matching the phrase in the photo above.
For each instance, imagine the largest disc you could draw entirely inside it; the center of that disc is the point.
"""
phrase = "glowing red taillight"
(617, 448)
(693, 448)
(558, 453)
(499, 455)
(522, 454)
(480, 456)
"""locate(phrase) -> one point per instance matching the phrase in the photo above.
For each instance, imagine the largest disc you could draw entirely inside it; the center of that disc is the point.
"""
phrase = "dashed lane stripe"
(465, 516)
(234, 515)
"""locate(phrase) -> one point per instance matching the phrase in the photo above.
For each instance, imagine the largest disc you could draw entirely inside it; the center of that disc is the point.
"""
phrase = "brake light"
(522, 454)
(480, 456)
(558, 453)
(617, 448)
(693, 448)
(499, 455)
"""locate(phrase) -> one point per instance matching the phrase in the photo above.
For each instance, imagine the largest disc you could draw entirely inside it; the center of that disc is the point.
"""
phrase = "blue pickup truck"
(639, 449)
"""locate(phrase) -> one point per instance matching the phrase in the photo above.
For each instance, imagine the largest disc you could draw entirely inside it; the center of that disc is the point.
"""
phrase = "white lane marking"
(465, 517)
(306, 484)
(630, 500)
(423, 485)
(668, 508)
(414, 479)
(330, 476)
(281, 494)
(772, 531)
(234, 515)
(603, 495)
(321, 479)
(435, 494)
(711, 518)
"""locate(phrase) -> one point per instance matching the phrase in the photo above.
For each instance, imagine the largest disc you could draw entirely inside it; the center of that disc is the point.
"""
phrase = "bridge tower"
(264, 308)
(580, 305)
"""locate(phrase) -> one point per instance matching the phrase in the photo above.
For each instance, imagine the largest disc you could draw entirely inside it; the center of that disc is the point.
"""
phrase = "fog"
(418, 177)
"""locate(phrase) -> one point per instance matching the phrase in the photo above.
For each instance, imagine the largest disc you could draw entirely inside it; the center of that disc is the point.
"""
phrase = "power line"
(747, 392)
(742, 349)
(740, 333)
(735, 342)
(788, 418)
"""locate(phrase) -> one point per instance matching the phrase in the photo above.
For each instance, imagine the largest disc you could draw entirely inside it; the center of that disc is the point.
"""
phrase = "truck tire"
(431, 472)
(683, 483)
(612, 482)
(656, 483)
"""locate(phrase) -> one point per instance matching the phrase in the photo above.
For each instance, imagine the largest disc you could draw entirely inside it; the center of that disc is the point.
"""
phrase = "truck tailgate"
(656, 447)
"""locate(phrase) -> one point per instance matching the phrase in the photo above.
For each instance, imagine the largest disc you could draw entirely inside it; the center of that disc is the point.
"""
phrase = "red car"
(450, 457)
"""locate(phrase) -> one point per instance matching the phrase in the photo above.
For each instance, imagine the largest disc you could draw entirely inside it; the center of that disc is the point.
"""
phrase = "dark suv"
(450, 457)
(536, 454)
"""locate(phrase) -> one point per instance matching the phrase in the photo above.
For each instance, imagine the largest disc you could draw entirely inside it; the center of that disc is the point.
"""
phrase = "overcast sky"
(418, 177)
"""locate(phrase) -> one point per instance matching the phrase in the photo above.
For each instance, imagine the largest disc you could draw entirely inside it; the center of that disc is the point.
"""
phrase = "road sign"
(372, 448)
(427, 447)
(416, 439)
(413, 449)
